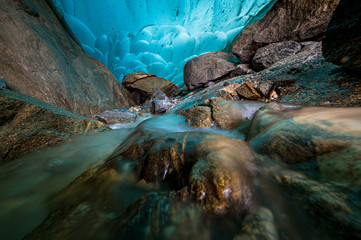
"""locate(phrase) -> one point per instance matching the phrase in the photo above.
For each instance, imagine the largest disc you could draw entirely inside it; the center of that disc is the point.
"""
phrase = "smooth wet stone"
(199, 116)
(2, 84)
(143, 85)
(206, 68)
(116, 116)
(28, 124)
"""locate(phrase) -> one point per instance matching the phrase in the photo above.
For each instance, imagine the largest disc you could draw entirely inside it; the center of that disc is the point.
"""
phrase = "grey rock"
(208, 67)
(272, 53)
(2, 84)
(116, 116)
(160, 102)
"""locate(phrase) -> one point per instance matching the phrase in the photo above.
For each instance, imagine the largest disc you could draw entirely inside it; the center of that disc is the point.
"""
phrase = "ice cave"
(157, 37)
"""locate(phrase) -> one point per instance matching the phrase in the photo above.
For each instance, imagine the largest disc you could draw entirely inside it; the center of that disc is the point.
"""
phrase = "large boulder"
(272, 53)
(297, 20)
(40, 59)
(342, 41)
(28, 124)
(210, 67)
(143, 85)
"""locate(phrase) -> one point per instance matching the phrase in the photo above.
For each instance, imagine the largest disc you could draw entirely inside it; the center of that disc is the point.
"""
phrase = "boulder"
(40, 59)
(341, 44)
(116, 116)
(143, 85)
(296, 20)
(28, 124)
(2, 84)
(272, 53)
(160, 102)
(210, 67)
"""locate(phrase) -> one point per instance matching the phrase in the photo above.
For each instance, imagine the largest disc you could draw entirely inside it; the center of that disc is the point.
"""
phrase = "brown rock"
(247, 91)
(199, 116)
(143, 85)
(229, 92)
(341, 44)
(28, 124)
(296, 20)
(39, 59)
(208, 67)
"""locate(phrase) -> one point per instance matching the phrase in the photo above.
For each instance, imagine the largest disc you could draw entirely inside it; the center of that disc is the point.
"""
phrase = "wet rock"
(199, 116)
(259, 225)
(341, 44)
(116, 116)
(143, 85)
(272, 53)
(214, 66)
(28, 124)
(287, 20)
(2, 84)
(247, 91)
(40, 59)
(160, 103)
(229, 92)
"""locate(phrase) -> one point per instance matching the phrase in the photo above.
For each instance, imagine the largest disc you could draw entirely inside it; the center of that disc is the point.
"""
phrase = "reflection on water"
(167, 180)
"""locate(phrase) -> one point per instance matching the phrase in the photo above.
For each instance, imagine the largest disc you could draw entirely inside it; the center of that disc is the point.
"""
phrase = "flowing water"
(122, 195)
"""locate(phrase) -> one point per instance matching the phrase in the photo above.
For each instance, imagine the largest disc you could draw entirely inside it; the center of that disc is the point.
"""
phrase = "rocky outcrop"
(342, 40)
(211, 67)
(272, 53)
(38, 58)
(143, 85)
(296, 20)
(28, 124)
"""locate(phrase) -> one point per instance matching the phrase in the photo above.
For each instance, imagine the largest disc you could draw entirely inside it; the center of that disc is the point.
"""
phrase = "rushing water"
(43, 191)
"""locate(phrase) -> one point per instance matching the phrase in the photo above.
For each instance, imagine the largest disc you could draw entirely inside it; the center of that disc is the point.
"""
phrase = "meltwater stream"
(167, 180)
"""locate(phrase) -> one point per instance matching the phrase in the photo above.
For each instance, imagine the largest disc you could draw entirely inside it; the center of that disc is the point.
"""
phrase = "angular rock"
(341, 44)
(143, 85)
(2, 84)
(296, 20)
(116, 116)
(40, 59)
(272, 53)
(160, 102)
(28, 124)
(212, 66)
(247, 91)
(229, 92)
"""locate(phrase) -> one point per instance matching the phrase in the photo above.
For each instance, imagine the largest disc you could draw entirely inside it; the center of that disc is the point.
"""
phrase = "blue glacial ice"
(157, 36)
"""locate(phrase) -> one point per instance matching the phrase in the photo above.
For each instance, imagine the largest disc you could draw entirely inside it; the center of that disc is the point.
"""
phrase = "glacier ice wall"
(157, 36)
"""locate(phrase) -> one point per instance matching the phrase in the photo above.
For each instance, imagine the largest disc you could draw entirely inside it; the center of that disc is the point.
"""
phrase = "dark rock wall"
(342, 40)
(296, 20)
(40, 59)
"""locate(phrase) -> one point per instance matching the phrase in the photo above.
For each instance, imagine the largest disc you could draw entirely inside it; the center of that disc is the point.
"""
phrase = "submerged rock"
(116, 116)
(199, 116)
(341, 44)
(28, 124)
(210, 67)
(143, 85)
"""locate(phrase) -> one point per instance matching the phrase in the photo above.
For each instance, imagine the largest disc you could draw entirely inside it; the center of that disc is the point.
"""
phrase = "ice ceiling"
(157, 36)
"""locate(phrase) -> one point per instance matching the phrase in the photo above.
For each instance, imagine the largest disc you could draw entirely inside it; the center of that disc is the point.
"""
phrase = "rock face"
(38, 58)
(143, 85)
(116, 116)
(296, 20)
(210, 67)
(272, 53)
(342, 40)
(28, 124)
